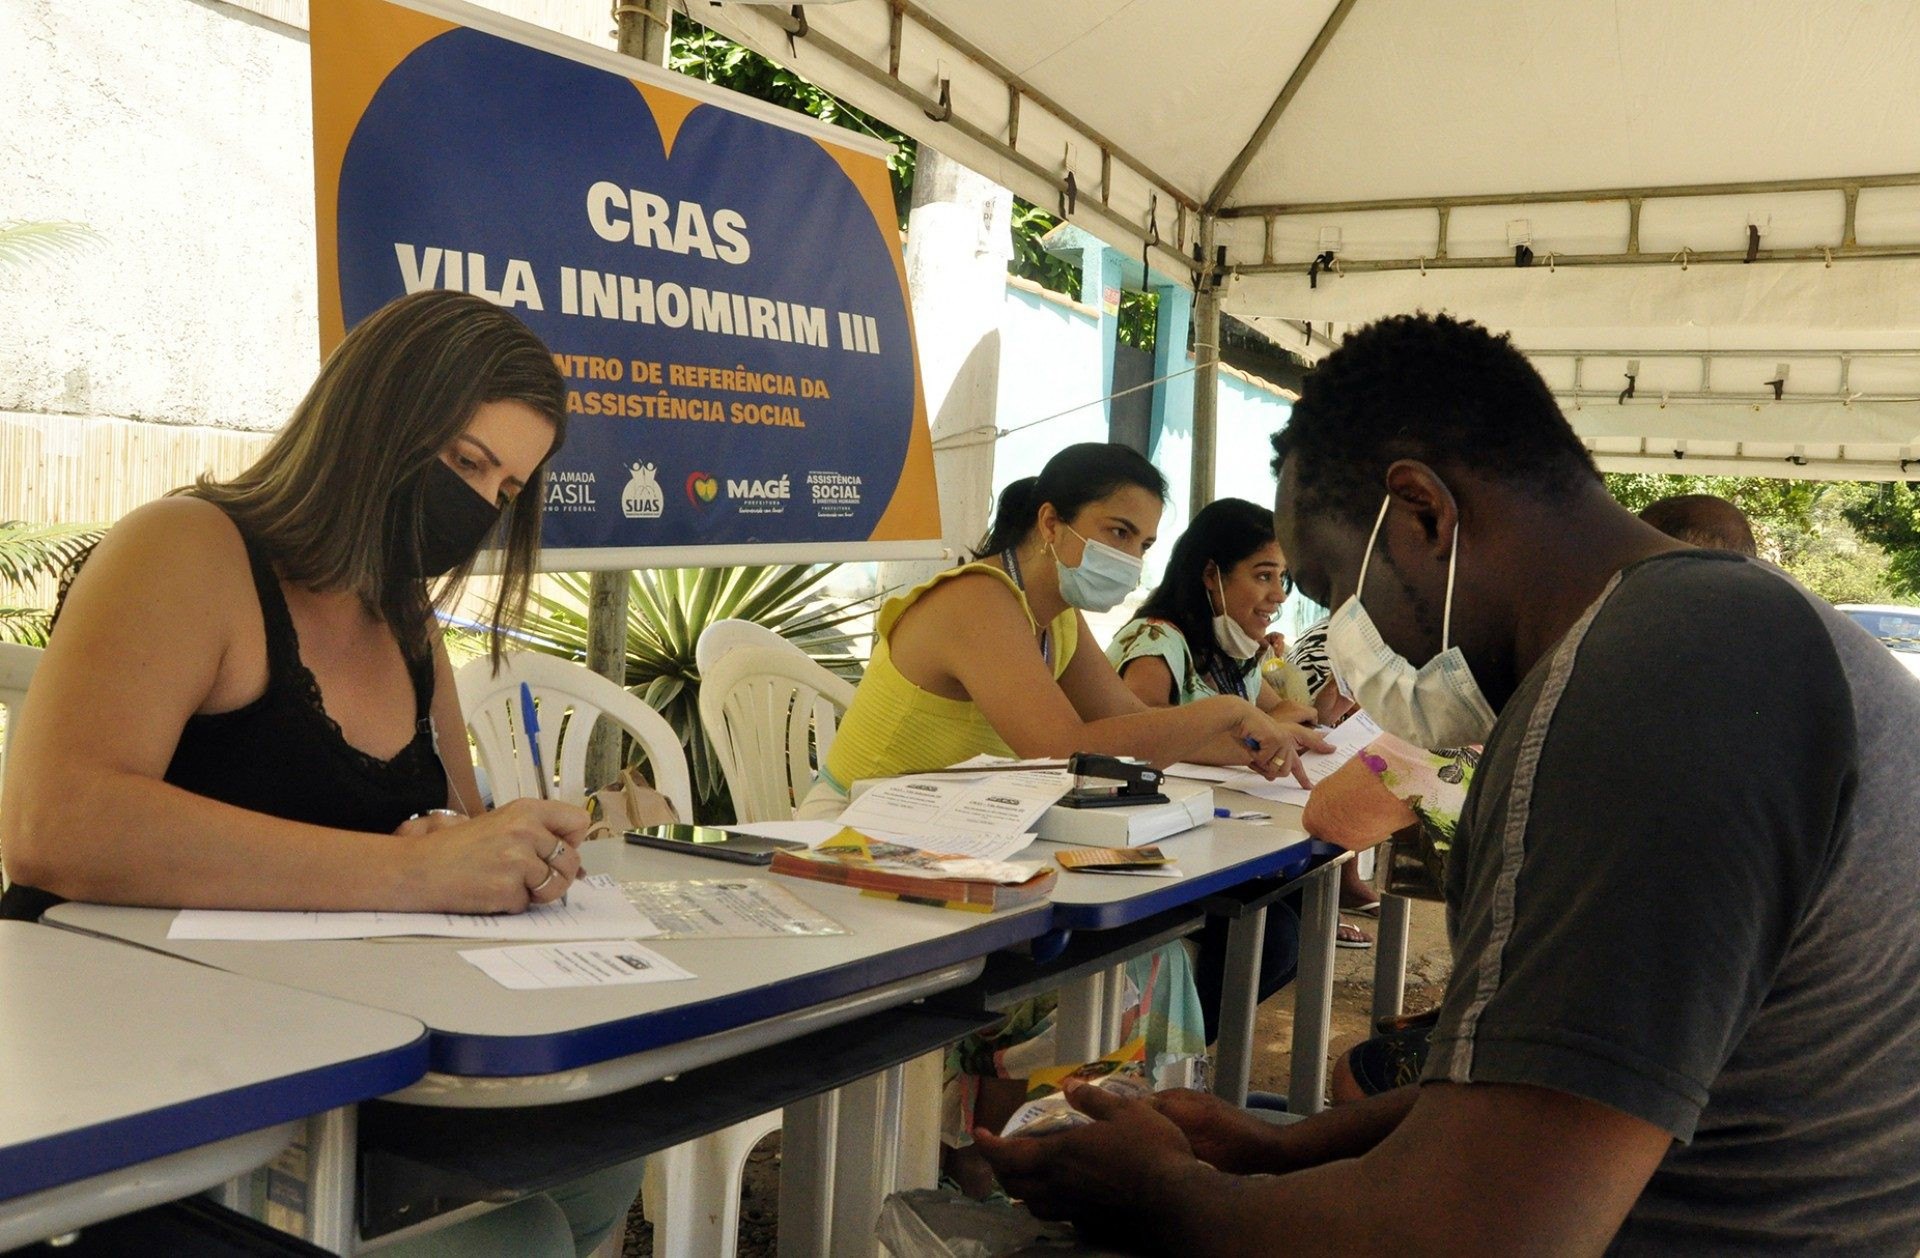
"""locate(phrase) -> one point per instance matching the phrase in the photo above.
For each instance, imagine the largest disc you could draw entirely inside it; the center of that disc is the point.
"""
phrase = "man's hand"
(1107, 1176)
(1223, 1135)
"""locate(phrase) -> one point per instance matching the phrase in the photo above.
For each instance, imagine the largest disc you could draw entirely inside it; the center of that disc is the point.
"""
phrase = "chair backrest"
(723, 636)
(770, 714)
(16, 671)
(568, 700)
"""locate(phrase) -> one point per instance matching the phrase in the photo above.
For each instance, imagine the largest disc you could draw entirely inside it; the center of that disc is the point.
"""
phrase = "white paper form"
(598, 963)
(1347, 739)
(596, 908)
(987, 817)
(729, 909)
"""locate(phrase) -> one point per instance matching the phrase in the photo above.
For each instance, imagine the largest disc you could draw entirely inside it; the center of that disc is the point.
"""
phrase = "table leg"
(1239, 1000)
(1313, 990)
(807, 1139)
(1390, 957)
(1080, 1018)
(868, 1141)
(332, 1207)
(920, 1102)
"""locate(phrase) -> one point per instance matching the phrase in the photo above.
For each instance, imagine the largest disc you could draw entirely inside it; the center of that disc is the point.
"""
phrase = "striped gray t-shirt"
(1687, 885)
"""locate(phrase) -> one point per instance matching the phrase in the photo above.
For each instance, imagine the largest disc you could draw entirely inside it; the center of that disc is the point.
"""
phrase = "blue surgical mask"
(1104, 577)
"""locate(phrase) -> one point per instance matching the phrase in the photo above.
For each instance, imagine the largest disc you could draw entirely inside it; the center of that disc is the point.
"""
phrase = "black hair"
(1074, 477)
(1225, 532)
(1441, 390)
(1703, 520)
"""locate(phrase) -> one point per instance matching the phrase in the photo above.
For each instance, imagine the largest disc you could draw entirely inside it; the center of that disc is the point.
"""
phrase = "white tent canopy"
(1709, 189)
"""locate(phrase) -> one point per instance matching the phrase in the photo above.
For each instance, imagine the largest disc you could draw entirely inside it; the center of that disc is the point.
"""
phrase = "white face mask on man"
(1434, 706)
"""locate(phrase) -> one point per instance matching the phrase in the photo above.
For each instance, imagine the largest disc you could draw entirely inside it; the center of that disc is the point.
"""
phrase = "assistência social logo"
(642, 499)
(834, 494)
(702, 488)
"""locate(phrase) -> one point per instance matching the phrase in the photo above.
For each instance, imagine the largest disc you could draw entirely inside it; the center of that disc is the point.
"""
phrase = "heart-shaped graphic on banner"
(489, 151)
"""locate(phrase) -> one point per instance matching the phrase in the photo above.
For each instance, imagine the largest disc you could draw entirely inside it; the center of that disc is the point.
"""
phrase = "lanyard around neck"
(1012, 565)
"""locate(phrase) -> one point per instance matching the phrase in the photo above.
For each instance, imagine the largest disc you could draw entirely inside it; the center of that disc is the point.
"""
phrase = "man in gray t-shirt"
(1685, 1008)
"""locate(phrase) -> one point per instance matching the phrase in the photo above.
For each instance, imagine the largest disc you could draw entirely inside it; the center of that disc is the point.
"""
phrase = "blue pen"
(531, 720)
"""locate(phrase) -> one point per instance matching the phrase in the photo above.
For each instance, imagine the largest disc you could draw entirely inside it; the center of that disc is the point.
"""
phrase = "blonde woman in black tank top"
(237, 706)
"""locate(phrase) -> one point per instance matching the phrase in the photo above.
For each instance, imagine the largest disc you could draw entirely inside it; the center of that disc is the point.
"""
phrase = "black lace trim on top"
(287, 672)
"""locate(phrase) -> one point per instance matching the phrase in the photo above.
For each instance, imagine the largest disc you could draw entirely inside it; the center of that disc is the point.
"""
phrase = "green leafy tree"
(1810, 528)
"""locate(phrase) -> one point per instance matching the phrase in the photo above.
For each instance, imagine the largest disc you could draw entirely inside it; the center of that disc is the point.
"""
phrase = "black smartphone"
(744, 849)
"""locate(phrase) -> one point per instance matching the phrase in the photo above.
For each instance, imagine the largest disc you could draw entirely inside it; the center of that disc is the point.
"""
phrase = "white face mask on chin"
(1227, 632)
(1434, 706)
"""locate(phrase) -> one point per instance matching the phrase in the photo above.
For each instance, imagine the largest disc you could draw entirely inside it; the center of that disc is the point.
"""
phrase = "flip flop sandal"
(1351, 937)
(1362, 910)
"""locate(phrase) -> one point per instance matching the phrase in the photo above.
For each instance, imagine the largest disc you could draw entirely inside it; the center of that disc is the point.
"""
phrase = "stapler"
(1111, 782)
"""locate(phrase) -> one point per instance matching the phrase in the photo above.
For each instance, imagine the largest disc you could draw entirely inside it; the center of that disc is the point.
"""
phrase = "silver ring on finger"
(540, 886)
(554, 854)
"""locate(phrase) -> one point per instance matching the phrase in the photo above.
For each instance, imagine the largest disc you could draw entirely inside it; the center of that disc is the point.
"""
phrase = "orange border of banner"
(356, 44)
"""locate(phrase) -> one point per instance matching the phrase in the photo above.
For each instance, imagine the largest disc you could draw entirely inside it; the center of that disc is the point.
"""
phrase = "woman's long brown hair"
(345, 474)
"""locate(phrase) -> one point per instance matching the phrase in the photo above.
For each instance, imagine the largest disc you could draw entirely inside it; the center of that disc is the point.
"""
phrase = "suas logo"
(642, 499)
(702, 488)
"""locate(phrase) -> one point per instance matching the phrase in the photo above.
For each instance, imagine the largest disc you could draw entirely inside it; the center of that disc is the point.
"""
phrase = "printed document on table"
(1347, 740)
(599, 963)
(965, 816)
(726, 908)
(595, 909)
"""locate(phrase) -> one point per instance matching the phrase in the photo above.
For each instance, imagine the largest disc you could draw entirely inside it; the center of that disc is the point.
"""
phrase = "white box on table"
(1189, 805)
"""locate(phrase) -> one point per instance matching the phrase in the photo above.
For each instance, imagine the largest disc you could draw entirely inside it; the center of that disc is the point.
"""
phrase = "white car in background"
(1898, 627)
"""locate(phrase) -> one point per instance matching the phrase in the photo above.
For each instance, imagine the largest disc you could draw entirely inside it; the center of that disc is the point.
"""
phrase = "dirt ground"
(1427, 968)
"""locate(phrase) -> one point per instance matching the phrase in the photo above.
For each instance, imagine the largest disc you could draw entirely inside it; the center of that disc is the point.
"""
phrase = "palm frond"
(27, 626)
(31, 551)
(22, 243)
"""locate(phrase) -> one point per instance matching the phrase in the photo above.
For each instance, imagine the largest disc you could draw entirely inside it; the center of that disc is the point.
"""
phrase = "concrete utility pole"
(643, 30)
(1206, 377)
(959, 238)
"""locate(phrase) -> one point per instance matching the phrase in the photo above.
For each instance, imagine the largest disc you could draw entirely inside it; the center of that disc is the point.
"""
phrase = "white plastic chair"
(770, 714)
(723, 636)
(568, 699)
(689, 1203)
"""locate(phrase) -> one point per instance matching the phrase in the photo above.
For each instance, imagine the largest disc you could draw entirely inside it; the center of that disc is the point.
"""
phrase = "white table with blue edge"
(491, 1048)
(128, 1079)
(1224, 856)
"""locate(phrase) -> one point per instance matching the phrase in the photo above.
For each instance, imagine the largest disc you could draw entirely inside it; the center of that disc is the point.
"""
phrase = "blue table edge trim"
(482, 1056)
(1288, 862)
(85, 1152)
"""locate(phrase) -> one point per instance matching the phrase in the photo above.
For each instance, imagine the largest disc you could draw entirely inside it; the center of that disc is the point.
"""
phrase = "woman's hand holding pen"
(520, 854)
(1274, 747)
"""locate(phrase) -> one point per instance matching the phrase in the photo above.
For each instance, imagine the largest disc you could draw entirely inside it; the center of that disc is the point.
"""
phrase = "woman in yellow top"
(986, 657)
(993, 657)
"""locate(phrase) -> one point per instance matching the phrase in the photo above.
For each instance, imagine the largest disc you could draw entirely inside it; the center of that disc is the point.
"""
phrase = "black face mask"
(454, 520)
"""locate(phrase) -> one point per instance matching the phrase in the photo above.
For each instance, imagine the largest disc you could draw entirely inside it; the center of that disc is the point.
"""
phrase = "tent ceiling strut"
(1018, 88)
(1231, 179)
(1652, 192)
(1055, 179)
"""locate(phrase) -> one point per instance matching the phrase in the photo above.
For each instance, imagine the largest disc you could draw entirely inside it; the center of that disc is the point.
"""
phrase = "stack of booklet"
(899, 872)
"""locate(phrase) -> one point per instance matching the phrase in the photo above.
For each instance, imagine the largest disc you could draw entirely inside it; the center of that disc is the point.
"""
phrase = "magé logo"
(702, 488)
(642, 499)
